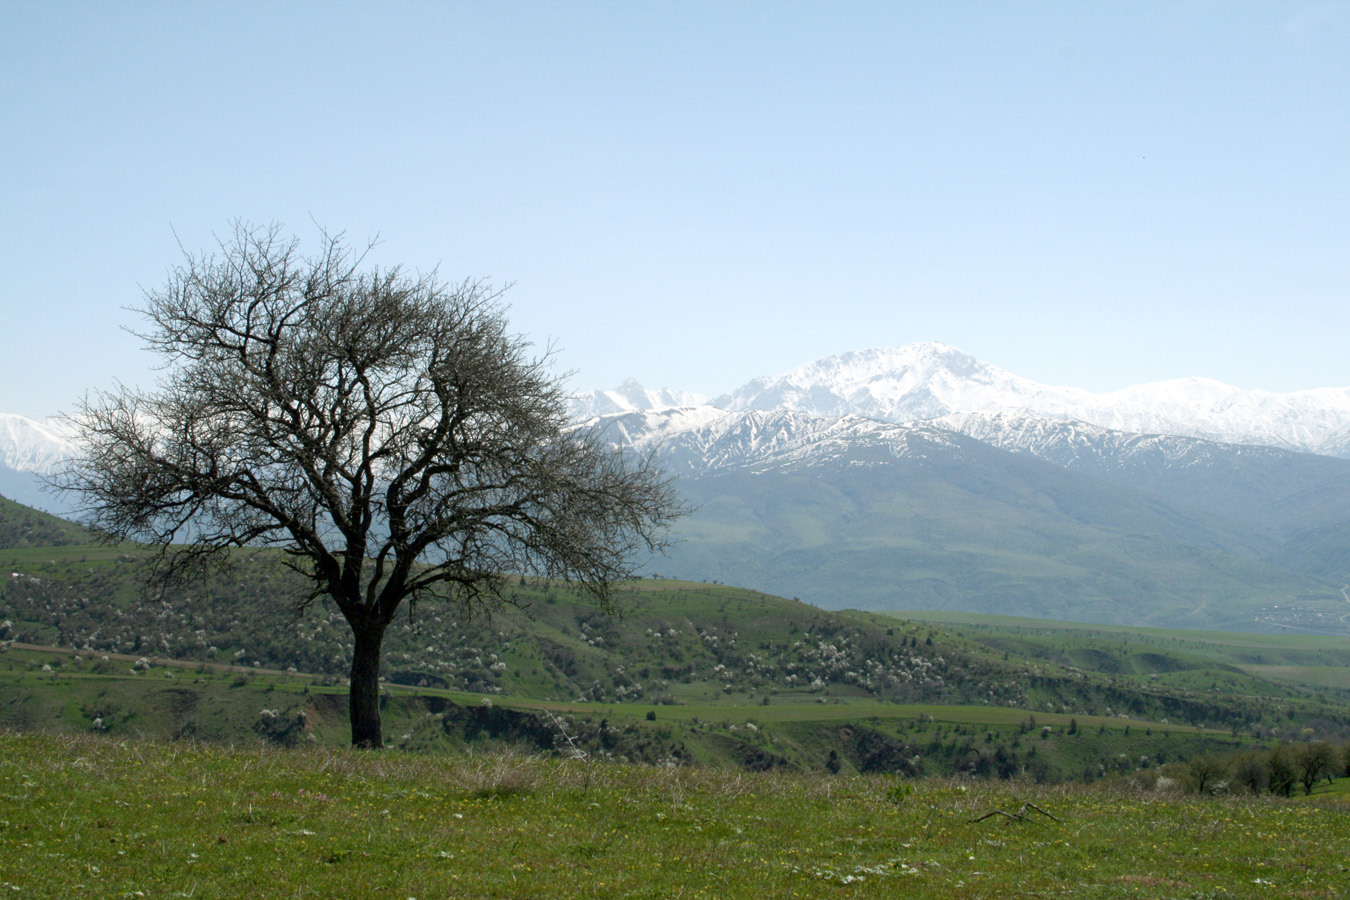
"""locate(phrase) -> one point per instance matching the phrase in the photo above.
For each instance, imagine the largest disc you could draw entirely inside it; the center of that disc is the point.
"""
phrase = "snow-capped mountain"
(628, 397)
(29, 451)
(1314, 421)
(1276, 491)
(1279, 491)
(1084, 446)
(30, 446)
(899, 384)
(932, 380)
(706, 440)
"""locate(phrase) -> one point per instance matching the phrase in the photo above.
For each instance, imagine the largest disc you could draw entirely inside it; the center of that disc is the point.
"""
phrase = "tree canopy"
(386, 431)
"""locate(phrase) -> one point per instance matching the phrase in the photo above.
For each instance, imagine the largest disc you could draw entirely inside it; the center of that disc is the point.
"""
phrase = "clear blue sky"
(693, 194)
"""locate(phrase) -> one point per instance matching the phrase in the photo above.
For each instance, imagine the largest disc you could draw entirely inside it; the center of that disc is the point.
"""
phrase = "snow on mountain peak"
(706, 439)
(896, 384)
(630, 396)
(30, 446)
(920, 381)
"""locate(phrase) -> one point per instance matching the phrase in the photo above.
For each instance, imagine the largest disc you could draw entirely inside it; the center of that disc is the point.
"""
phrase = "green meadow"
(99, 817)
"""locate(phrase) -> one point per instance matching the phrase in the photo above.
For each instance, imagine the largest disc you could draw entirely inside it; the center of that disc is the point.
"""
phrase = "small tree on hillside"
(1313, 761)
(1281, 769)
(1206, 773)
(385, 431)
(1250, 771)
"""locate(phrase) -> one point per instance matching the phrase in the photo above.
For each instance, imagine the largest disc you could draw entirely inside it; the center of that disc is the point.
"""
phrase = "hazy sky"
(693, 194)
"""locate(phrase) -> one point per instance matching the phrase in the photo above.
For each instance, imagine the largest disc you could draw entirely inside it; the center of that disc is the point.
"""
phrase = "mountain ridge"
(915, 382)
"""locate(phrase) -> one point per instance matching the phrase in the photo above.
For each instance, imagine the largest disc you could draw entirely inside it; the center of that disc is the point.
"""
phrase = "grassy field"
(94, 816)
(1234, 644)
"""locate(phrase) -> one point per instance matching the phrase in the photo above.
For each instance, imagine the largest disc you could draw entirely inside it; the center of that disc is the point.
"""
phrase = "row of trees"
(1281, 770)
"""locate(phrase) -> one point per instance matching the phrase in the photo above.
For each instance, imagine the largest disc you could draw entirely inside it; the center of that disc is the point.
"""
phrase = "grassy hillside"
(116, 818)
(24, 527)
(70, 692)
(690, 672)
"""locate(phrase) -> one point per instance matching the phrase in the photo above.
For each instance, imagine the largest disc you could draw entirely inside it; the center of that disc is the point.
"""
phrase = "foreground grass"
(85, 816)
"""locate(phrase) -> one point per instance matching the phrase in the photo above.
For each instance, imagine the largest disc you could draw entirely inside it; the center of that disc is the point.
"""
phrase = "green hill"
(24, 527)
(689, 672)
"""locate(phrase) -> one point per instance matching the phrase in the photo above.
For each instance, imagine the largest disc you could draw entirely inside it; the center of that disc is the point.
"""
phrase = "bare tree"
(385, 432)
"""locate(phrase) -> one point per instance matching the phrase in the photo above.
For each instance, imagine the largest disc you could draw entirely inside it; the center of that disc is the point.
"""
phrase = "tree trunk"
(364, 696)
